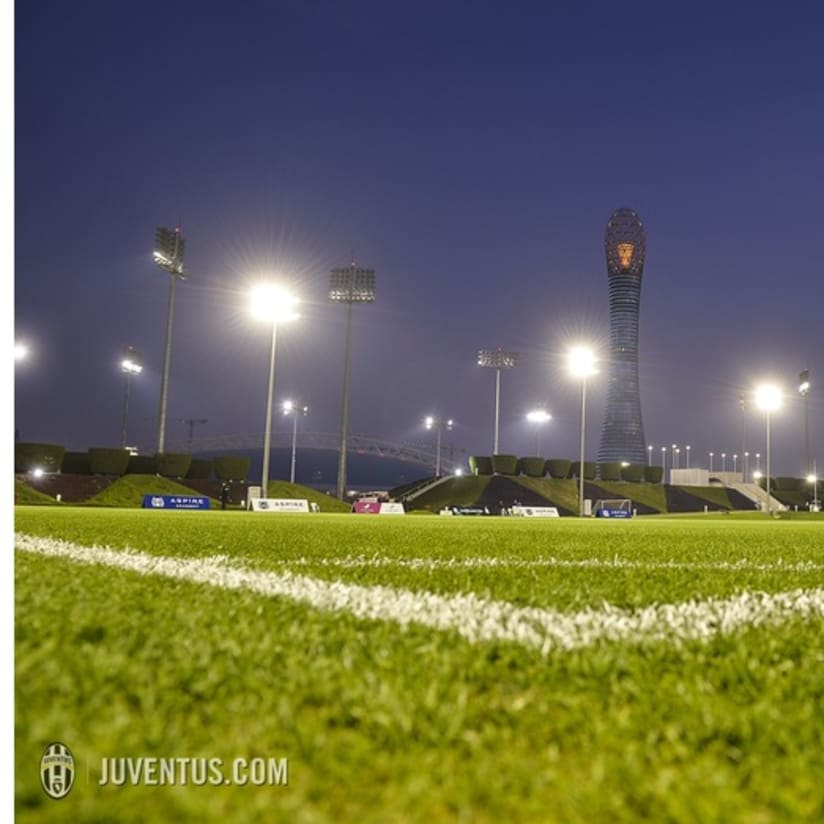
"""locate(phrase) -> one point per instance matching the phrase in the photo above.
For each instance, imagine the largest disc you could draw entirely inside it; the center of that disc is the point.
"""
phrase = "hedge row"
(561, 468)
(108, 461)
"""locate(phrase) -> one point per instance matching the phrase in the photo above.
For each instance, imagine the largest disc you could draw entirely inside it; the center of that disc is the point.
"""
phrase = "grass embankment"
(129, 490)
(381, 722)
(26, 495)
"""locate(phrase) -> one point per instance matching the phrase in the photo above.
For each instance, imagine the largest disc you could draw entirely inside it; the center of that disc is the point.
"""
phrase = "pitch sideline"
(474, 618)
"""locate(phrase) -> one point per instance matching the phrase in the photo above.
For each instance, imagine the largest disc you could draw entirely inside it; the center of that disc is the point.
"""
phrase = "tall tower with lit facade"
(622, 434)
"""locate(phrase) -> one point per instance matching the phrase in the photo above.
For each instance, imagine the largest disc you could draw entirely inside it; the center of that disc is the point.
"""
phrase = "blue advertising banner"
(175, 502)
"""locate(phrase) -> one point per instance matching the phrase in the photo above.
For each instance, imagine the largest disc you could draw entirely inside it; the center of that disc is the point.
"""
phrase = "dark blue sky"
(471, 153)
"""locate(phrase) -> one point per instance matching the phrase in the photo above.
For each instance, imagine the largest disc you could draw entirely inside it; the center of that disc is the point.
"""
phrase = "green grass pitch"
(390, 718)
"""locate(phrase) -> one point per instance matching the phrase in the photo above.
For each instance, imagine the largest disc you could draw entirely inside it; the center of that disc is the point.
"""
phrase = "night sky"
(471, 153)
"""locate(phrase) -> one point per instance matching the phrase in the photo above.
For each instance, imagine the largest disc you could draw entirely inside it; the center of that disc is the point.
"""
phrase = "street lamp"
(21, 351)
(804, 391)
(438, 424)
(497, 359)
(170, 248)
(581, 364)
(274, 304)
(735, 462)
(130, 364)
(649, 455)
(349, 285)
(674, 456)
(768, 399)
(688, 455)
(295, 410)
(712, 455)
(812, 478)
(746, 466)
(723, 461)
(538, 417)
(663, 464)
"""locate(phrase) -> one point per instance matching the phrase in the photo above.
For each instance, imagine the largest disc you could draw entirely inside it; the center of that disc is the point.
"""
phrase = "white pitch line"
(547, 562)
(474, 618)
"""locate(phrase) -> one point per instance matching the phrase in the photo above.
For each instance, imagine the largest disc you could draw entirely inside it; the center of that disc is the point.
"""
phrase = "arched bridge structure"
(356, 444)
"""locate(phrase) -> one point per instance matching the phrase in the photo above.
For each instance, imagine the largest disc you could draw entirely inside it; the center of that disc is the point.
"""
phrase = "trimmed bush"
(610, 471)
(232, 467)
(590, 468)
(108, 461)
(45, 456)
(634, 473)
(173, 464)
(532, 467)
(76, 463)
(505, 464)
(142, 465)
(480, 465)
(558, 467)
(653, 474)
(200, 469)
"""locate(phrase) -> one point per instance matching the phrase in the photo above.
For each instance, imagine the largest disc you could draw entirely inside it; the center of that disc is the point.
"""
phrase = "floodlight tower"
(622, 434)
(804, 391)
(438, 424)
(497, 359)
(349, 285)
(170, 248)
(130, 364)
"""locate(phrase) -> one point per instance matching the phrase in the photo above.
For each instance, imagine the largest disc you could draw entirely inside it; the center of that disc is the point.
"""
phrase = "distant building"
(622, 433)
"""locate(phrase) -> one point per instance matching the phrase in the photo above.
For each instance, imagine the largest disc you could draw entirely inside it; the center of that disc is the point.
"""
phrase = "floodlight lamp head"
(497, 358)
(581, 362)
(625, 243)
(132, 362)
(538, 416)
(350, 284)
(768, 397)
(169, 251)
(804, 382)
(273, 303)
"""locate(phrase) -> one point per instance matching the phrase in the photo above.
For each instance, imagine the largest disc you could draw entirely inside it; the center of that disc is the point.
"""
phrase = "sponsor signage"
(536, 511)
(175, 502)
(279, 505)
(375, 508)
(466, 510)
(613, 513)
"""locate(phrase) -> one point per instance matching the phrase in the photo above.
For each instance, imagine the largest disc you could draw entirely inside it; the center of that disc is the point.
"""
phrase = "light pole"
(295, 410)
(677, 457)
(539, 417)
(274, 304)
(664, 464)
(735, 462)
(804, 391)
(170, 248)
(497, 359)
(813, 479)
(130, 364)
(758, 462)
(649, 455)
(348, 285)
(723, 461)
(581, 364)
(712, 455)
(674, 456)
(768, 399)
(688, 455)
(438, 424)
(746, 466)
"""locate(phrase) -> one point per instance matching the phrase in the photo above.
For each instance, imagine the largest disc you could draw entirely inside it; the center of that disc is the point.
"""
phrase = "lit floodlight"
(538, 416)
(804, 381)
(169, 251)
(811, 479)
(438, 424)
(581, 362)
(497, 359)
(21, 351)
(459, 472)
(768, 397)
(271, 302)
(37, 472)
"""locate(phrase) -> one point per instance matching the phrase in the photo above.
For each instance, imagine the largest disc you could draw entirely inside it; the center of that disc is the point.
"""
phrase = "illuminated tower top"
(626, 243)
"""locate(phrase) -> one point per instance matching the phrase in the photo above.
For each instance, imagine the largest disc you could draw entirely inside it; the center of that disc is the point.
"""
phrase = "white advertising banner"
(392, 509)
(535, 511)
(279, 505)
